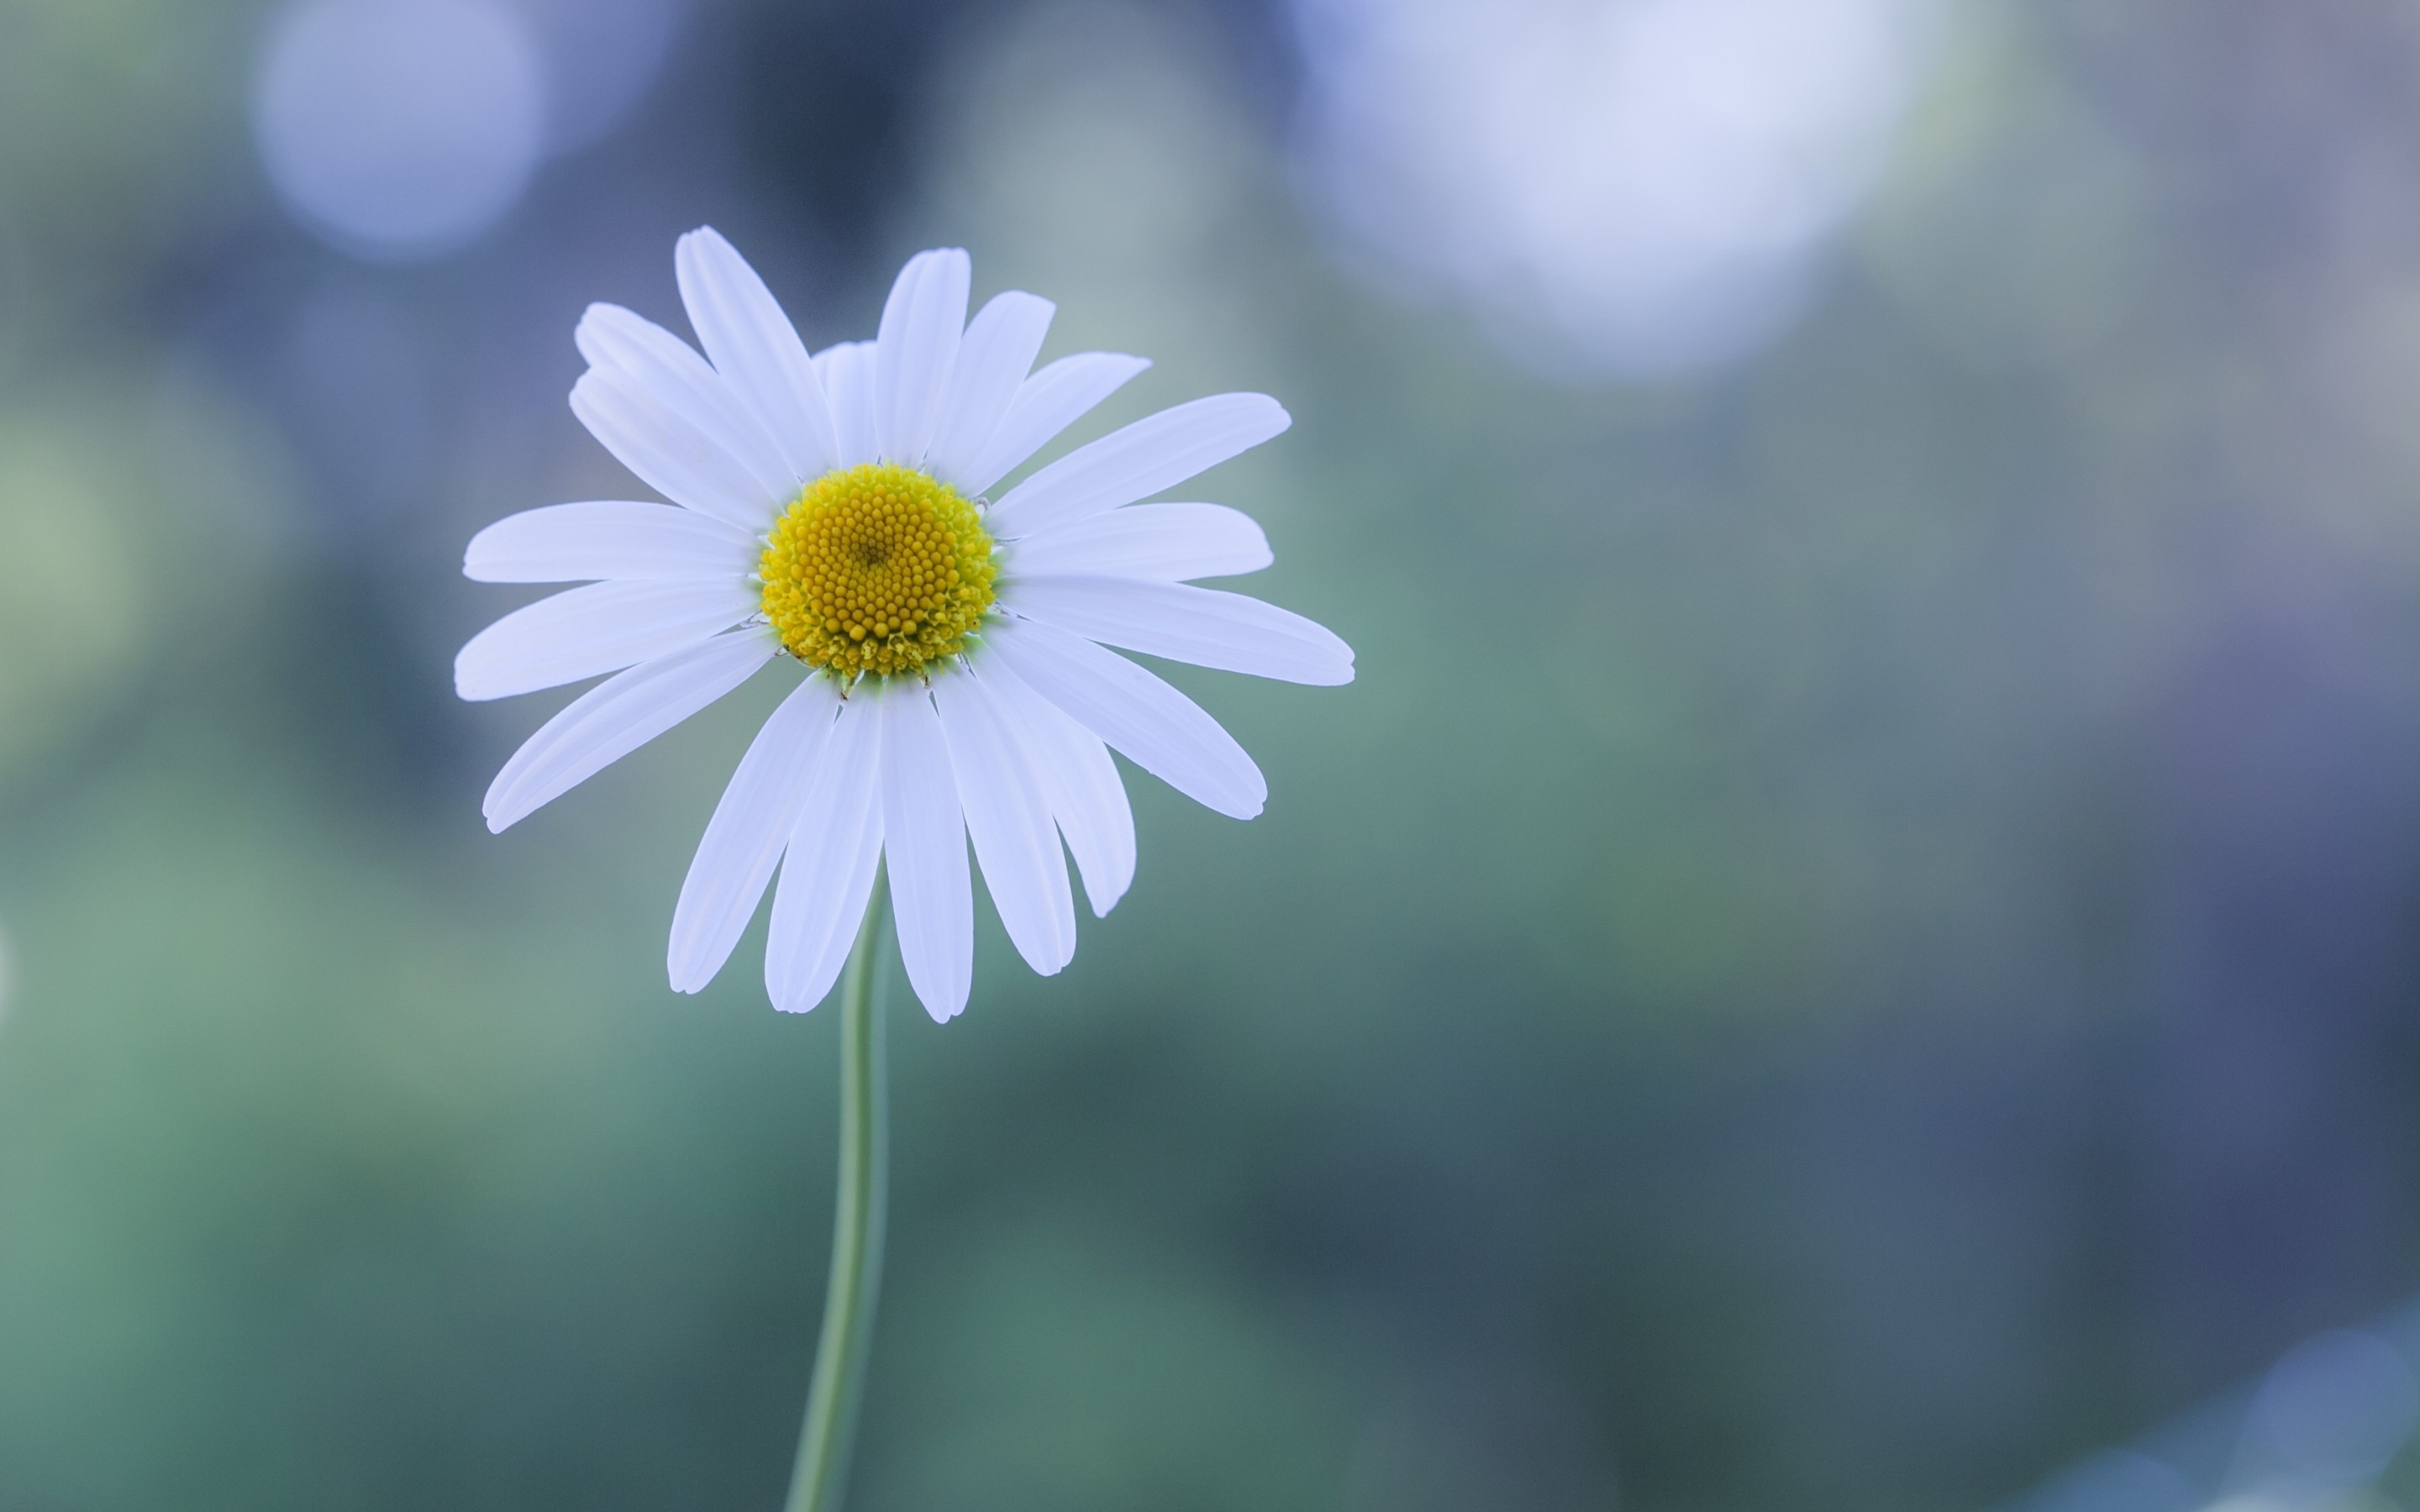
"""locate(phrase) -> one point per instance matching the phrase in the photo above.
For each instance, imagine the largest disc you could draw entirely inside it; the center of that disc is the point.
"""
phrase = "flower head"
(834, 511)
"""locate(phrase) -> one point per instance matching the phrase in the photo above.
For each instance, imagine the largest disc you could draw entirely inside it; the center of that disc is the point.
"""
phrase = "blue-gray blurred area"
(1855, 945)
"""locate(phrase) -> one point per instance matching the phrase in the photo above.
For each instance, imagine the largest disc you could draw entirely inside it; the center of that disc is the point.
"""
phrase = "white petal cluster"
(1009, 745)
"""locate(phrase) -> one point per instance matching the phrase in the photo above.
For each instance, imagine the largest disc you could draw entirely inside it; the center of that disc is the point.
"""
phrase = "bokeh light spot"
(399, 128)
(2342, 1403)
(1634, 186)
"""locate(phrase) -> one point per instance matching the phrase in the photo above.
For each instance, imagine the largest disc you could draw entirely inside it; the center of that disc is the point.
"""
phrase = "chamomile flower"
(835, 514)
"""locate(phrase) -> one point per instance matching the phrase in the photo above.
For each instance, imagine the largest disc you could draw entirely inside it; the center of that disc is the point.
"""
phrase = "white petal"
(756, 350)
(676, 458)
(847, 374)
(827, 875)
(1202, 625)
(1156, 452)
(666, 368)
(743, 841)
(580, 543)
(618, 716)
(993, 357)
(1171, 543)
(583, 632)
(1080, 782)
(1159, 729)
(1009, 820)
(924, 834)
(915, 350)
(1046, 404)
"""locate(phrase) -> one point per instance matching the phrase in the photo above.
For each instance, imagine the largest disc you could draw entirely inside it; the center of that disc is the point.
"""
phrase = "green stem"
(822, 1472)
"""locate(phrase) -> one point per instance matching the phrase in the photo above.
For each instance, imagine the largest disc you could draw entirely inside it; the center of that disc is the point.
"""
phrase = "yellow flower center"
(877, 569)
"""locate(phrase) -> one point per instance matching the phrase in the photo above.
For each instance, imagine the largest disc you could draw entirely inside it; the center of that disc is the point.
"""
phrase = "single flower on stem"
(836, 511)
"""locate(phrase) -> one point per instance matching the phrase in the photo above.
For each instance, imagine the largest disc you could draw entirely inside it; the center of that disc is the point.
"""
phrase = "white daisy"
(834, 511)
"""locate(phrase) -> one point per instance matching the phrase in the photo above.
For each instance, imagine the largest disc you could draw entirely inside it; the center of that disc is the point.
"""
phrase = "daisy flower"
(836, 514)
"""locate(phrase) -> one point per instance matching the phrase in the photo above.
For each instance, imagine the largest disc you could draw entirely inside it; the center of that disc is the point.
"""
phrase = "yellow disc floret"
(877, 569)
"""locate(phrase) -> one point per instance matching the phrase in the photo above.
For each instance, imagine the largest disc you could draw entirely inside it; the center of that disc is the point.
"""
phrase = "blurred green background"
(1855, 942)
